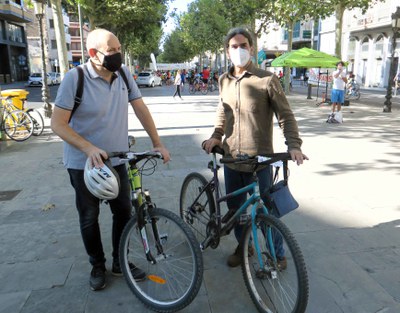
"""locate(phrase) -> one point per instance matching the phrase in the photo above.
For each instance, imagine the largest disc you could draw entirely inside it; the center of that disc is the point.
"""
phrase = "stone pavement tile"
(57, 300)
(320, 300)
(13, 302)
(116, 297)
(34, 275)
(340, 241)
(351, 287)
(226, 290)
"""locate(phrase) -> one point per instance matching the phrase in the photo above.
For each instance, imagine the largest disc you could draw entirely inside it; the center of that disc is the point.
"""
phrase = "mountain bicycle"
(35, 115)
(17, 124)
(160, 243)
(198, 85)
(353, 92)
(273, 287)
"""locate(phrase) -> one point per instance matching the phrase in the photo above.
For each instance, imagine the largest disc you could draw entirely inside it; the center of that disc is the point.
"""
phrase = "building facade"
(76, 48)
(366, 42)
(14, 17)
(50, 43)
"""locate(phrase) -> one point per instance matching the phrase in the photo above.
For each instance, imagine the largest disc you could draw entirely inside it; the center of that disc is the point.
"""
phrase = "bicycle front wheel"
(173, 264)
(281, 283)
(18, 125)
(196, 204)
(204, 89)
(192, 89)
(38, 122)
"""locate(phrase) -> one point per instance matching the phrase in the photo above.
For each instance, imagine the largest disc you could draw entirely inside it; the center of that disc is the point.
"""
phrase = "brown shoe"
(282, 263)
(235, 259)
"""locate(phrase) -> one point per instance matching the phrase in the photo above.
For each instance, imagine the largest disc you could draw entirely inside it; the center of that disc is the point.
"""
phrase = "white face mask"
(239, 57)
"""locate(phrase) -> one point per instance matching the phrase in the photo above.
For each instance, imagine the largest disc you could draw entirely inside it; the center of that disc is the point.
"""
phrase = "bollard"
(309, 91)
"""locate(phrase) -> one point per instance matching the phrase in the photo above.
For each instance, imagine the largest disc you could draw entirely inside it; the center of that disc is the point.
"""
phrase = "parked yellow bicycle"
(15, 99)
(17, 124)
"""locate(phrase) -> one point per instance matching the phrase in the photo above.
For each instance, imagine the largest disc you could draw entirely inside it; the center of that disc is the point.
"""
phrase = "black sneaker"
(98, 278)
(137, 273)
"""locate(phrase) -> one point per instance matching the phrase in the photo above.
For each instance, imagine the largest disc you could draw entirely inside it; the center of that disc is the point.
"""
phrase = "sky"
(181, 6)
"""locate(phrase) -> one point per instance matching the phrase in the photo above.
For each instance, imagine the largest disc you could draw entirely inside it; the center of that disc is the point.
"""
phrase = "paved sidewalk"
(348, 223)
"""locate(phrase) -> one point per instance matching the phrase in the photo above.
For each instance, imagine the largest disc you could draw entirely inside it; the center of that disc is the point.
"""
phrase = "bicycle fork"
(142, 202)
(265, 270)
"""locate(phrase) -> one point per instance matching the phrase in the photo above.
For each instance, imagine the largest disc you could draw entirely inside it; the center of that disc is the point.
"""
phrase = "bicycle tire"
(346, 95)
(192, 89)
(18, 125)
(204, 89)
(273, 288)
(182, 259)
(196, 215)
(38, 121)
(357, 95)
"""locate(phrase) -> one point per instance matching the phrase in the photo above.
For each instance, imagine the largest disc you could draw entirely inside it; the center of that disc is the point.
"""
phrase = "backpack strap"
(123, 75)
(81, 83)
(79, 90)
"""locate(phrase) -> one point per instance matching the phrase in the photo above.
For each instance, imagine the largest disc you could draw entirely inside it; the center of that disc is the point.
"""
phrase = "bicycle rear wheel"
(196, 204)
(175, 276)
(204, 89)
(18, 125)
(281, 285)
(38, 122)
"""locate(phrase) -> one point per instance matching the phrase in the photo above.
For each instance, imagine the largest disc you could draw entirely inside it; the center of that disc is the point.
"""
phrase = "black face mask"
(112, 62)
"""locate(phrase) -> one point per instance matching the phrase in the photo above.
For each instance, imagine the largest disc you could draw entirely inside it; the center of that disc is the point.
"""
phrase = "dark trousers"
(235, 180)
(178, 91)
(88, 207)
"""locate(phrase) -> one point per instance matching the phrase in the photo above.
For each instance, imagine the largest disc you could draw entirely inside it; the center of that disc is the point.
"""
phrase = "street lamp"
(40, 7)
(387, 106)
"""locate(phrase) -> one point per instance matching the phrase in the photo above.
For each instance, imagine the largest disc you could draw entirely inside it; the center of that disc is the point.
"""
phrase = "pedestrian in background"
(249, 99)
(338, 86)
(178, 83)
(100, 125)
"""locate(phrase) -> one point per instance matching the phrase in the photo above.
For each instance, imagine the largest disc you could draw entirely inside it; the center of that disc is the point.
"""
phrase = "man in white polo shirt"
(100, 124)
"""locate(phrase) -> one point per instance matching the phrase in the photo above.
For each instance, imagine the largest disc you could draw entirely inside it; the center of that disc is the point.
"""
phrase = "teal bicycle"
(273, 266)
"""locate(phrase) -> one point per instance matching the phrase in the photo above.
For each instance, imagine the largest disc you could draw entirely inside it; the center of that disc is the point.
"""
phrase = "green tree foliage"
(137, 23)
(175, 49)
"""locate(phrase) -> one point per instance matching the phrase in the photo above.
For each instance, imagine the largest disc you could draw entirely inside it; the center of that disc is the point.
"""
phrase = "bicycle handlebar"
(135, 156)
(258, 159)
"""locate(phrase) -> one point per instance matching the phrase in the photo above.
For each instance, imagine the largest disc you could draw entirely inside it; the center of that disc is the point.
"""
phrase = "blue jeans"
(235, 180)
(88, 207)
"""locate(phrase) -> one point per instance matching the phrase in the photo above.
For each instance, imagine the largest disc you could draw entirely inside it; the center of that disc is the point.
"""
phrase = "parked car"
(35, 79)
(55, 78)
(149, 79)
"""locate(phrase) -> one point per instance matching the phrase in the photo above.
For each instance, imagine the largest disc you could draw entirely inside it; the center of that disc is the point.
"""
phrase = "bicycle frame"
(254, 201)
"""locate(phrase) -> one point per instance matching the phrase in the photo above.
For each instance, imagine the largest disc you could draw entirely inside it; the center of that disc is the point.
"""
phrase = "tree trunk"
(60, 37)
(287, 68)
(339, 11)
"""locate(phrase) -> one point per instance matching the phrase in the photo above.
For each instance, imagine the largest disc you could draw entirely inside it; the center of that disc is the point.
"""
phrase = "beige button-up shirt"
(245, 114)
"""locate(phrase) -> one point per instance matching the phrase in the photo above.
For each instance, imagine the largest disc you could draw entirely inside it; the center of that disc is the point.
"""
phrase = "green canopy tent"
(308, 58)
(305, 57)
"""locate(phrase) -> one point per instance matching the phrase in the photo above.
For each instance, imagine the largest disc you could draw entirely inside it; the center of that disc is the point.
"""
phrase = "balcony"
(11, 11)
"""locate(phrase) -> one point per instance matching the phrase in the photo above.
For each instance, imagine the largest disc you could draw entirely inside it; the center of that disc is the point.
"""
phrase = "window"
(54, 44)
(296, 30)
(2, 32)
(75, 46)
(15, 33)
(51, 22)
(68, 47)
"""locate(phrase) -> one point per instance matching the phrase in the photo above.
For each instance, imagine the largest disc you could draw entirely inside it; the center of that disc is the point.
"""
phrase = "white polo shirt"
(102, 116)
